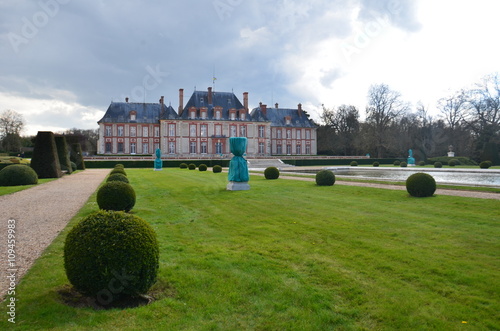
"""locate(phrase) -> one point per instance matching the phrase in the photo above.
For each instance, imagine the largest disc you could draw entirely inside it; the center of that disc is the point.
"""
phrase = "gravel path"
(40, 213)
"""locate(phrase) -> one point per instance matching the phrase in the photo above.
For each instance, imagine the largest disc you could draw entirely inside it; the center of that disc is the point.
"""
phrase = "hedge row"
(150, 163)
(346, 162)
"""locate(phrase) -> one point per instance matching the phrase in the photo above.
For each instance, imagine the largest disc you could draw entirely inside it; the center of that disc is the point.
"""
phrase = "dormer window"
(217, 114)
(288, 120)
(232, 115)
(133, 115)
(203, 114)
(242, 116)
(192, 114)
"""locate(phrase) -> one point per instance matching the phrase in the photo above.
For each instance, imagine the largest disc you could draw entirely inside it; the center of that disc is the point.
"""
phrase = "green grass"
(289, 255)
(12, 189)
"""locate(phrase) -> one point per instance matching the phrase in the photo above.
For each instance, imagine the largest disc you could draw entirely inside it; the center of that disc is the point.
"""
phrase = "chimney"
(161, 100)
(299, 109)
(263, 108)
(210, 96)
(126, 100)
(245, 101)
(276, 105)
(181, 100)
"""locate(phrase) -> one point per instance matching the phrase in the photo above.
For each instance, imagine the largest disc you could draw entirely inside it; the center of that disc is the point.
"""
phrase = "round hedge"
(118, 171)
(202, 167)
(119, 165)
(325, 178)
(217, 169)
(485, 164)
(420, 185)
(354, 164)
(397, 162)
(421, 163)
(109, 254)
(117, 177)
(191, 166)
(271, 173)
(453, 162)
(183, 166)
(376, 164)
(403, 164)
(18, 174)
(438, 165)
(116, 195)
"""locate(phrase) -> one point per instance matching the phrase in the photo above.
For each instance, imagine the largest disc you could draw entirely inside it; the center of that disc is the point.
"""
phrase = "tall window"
(308, 149)
(288, 149)
(107, 131)
(288, 134)
(157, 131)
(156, 146)
(232, 131)
(133, 131)
(261, 131)
(298, 134)
(120, 131)
(192, 130)
(145, 148)
(133, 148)
(120, 148)
(261, 148)
(298, 150)
(203, 147)
(243, 131)
(218, 130)
(308, 134)
(279, 149)
(108, 148)
(278, 133)
(171, 147)
(218, 148)
(171, 130)
(192, 147)
(145, 131)
(203, 130)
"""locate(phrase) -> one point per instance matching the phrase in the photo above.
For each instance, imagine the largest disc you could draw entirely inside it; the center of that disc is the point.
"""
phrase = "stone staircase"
(264, 163)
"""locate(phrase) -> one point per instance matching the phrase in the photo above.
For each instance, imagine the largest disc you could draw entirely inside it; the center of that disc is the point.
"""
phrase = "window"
(107, 131)
(288, 134)
(217, 114)
(145, 148)
(232, 115)
(108, 148)
(232, 131)
(288, 120)
(171, 130)
(288, 149)
(261, 148)
(133, 131)
(203, 114)
(243, 131)
(157, 131)
(156, 146)
(203, 147)
(145, 131)
(279, 149)
(120, 131)
(171, 147)
(192, 130)
(298, 150)
(308, 149)
(298, 134)
(308, 134)
(218, 148)
(192, 114)
(203, 130)
(120, 148)
(278, 134)
(218, 130)
(132, 116)
(133, 148)
(261, 131)
(242, 116)
(192, 147)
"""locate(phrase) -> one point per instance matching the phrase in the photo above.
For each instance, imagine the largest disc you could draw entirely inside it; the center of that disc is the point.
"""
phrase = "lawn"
(288, 255)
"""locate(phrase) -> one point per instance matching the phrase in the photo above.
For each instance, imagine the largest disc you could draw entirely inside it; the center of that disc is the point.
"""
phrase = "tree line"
(468, 120)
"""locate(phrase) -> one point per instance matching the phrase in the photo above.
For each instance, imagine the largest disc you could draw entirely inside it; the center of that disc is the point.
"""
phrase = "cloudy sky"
(63, 61)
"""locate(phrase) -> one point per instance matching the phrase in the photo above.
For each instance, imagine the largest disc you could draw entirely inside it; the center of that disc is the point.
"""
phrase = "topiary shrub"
(216, 169)
(271, 173)
(183, 166)
(76, 155)
(116, 195)
(18, 174)
(421, 163)
(354, 164)
(485, 164)
(63, 153)
(111, 255)
(202, 167)
(45, 161)
(376, 164)
(73, 166)
(118, 178)
(438, 165)
(119, 165)
(403, 164)
(453, 162)
(118, 171)
(397, 163)
(420, 185)
(325, 178)
(192, 166)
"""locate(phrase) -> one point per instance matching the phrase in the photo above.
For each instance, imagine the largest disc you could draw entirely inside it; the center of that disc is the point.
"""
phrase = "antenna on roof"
(213, 79)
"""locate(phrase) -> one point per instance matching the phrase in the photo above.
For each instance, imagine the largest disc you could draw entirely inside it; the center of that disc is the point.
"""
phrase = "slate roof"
(277, 117)
(226, 100)
(119, 112)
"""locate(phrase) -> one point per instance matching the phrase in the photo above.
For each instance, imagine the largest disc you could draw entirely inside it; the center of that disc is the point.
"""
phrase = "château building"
(202, 127)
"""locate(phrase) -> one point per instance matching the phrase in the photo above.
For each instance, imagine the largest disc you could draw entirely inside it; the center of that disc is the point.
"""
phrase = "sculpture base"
(237, 186)
(451, 154)
(158, 169)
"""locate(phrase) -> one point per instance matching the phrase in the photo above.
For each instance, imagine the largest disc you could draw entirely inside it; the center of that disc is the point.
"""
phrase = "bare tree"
(343, 125)
(11, 122)
(453, 108)
(384, 107)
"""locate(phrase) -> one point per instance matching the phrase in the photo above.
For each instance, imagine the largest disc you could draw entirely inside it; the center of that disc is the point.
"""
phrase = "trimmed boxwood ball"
(420, 185)
(403, 164)
(438, 165)
(202, 167)
(18, 174)
(216, 169)
(397, 162)
(119, 165)
(376, 164)
(117, 177)
(421, 163)
(118, 171)
(192, 166)
(453, 162)
(485, 164)
(271, 173)
(354, 164)
(116, 195)
(325, 178)
(111, 254)
(183, 166)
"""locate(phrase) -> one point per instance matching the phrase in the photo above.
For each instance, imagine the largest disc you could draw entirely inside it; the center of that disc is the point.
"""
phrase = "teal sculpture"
(411, 159)
(158, 161)
(238, 169)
